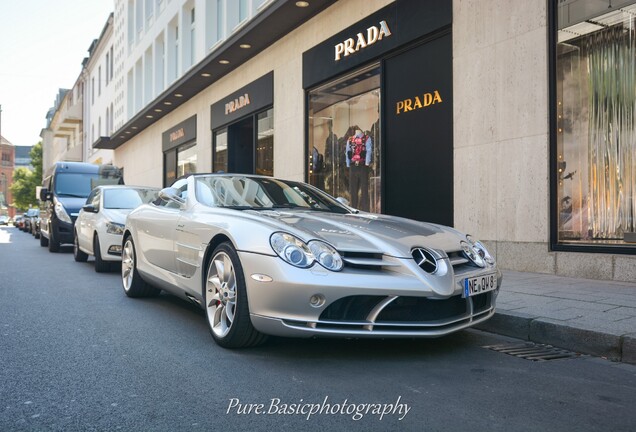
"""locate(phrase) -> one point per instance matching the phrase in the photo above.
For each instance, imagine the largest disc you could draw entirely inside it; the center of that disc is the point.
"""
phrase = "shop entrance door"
(418, 174)
(241, 146)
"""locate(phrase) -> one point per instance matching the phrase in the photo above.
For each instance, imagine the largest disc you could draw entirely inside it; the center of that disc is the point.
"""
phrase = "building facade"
(62, 138)
(7, 152)
(98, 89)
(497, 118)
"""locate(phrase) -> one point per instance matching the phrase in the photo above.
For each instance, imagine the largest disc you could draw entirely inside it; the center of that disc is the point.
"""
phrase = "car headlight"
(114, 228)
(326, 255)
(61, 214)
(299, 254)
(479, 250)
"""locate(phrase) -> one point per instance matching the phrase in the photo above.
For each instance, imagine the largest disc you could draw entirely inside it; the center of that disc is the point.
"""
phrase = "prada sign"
(375, 37)
(184, 132)
(252, 98)
(363, 40)
(237, 104)
(417, 102)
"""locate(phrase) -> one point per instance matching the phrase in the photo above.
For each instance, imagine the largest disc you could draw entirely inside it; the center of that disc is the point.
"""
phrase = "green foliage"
(25, 181)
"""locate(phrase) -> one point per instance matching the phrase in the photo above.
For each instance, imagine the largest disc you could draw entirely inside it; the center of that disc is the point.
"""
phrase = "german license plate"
(480, 284)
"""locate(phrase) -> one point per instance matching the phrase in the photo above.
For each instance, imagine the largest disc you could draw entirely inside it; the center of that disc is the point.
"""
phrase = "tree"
(25, 181)
(36, 161)
(23, 189)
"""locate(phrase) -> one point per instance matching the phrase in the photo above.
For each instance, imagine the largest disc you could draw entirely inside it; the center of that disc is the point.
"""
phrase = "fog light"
(317, 300)
(115, 250)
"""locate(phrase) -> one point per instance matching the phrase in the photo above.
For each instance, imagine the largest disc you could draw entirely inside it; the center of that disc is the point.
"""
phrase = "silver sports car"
(264, 256)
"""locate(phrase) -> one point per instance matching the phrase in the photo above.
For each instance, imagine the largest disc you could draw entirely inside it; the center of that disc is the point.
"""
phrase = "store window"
(239, 148)
(595, 145)
(220, 151)
(344, 138)
(265, 143)
(186, 159)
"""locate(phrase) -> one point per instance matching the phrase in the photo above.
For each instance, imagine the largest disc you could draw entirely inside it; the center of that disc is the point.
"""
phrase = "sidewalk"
(582, 315)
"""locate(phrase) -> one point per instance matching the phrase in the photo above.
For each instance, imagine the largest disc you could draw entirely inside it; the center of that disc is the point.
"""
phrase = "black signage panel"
(418, 119)
(387, 29)
(182, 133)
(252, 98)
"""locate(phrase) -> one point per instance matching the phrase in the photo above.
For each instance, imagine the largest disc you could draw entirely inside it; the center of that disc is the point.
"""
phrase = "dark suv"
(64, 192)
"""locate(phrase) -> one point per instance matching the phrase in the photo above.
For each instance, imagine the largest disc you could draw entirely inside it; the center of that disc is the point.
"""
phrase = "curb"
(556, 333)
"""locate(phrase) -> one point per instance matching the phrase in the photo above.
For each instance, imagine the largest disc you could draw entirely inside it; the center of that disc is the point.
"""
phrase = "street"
(77, 355)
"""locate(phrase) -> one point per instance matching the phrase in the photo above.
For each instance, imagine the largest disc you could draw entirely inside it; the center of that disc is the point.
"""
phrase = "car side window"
(96, 199)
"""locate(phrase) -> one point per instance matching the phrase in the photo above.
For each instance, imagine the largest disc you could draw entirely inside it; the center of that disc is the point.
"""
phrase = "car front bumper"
(288, 301)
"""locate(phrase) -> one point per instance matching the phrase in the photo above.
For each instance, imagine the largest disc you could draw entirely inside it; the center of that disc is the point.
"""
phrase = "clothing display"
(359, 151)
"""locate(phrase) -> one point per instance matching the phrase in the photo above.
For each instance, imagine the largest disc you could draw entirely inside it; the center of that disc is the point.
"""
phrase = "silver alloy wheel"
(127, 264)
(220, 294)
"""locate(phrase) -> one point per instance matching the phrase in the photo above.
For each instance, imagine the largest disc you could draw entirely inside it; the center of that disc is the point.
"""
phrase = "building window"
(220, 20)
(344, 138)
(265, 143)
(243, 10)
(99, 81)
(92, 91)
(186, 159)
(594, 149)
(107, 68)
(220, 151)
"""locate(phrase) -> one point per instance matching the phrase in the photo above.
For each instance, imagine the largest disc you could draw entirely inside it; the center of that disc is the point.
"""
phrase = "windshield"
(128, 198)
(80, 184)
(263, 193)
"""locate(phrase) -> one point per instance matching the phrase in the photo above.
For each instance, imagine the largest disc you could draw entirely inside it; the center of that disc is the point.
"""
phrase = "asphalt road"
(77, 355)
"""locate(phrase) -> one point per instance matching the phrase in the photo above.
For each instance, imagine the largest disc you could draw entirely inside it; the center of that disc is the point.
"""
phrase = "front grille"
(364, 260)
(357, 310)
(352, 308)
(405, 309)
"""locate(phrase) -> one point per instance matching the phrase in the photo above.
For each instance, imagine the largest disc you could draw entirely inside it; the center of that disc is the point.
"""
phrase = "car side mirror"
(171, 194)
(90, 208)
(44, 194)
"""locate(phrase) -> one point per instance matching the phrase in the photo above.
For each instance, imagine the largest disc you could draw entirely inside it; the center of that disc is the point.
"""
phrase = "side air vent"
(425, 259)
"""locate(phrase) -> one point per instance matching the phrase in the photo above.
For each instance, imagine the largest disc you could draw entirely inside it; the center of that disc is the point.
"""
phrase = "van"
(64, 191)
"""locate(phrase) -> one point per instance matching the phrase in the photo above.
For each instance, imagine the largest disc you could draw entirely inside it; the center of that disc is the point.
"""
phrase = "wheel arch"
(213, 243)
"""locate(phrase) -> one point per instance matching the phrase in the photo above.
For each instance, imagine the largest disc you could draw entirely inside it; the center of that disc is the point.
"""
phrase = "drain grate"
(533, 351)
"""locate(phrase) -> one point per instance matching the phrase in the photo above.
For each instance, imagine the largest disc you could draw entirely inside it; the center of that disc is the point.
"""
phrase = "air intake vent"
(425, 259)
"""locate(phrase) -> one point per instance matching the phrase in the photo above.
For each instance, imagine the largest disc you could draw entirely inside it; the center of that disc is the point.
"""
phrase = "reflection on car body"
(265, 256)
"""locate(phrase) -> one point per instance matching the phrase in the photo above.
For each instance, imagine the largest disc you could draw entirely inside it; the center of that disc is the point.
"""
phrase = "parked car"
(64, 191)
(264, 256)
(18, 221)
(100, 224)
(29, 218)
(4, 220)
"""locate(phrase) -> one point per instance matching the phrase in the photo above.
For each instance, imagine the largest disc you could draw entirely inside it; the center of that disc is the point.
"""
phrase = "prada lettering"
(418, 102)
(351, 45)
(237, 104)
(179, 133)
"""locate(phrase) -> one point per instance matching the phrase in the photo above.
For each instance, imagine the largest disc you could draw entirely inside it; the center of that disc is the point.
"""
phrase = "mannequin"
(358, 156)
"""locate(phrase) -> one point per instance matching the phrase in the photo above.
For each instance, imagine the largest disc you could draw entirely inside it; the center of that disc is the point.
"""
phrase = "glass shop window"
(186, 159)
(344, 138)
(220, 151)
(596, 124)
(265, 143)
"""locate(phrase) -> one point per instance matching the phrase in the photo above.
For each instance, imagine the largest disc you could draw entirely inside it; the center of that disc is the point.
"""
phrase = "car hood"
(71, 204)
(365, 232)
(116, 215)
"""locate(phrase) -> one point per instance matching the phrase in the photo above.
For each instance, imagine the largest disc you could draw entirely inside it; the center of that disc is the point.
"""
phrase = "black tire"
(240, 333)
(134, 286)
(78, 254)
(44, 242)
(54, 244)
(101, 266)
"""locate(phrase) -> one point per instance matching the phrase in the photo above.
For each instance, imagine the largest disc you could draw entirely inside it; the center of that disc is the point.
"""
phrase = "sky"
(42, 46)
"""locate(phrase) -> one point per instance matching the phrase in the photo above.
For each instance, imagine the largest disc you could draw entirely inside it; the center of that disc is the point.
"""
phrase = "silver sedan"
(264, 256)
